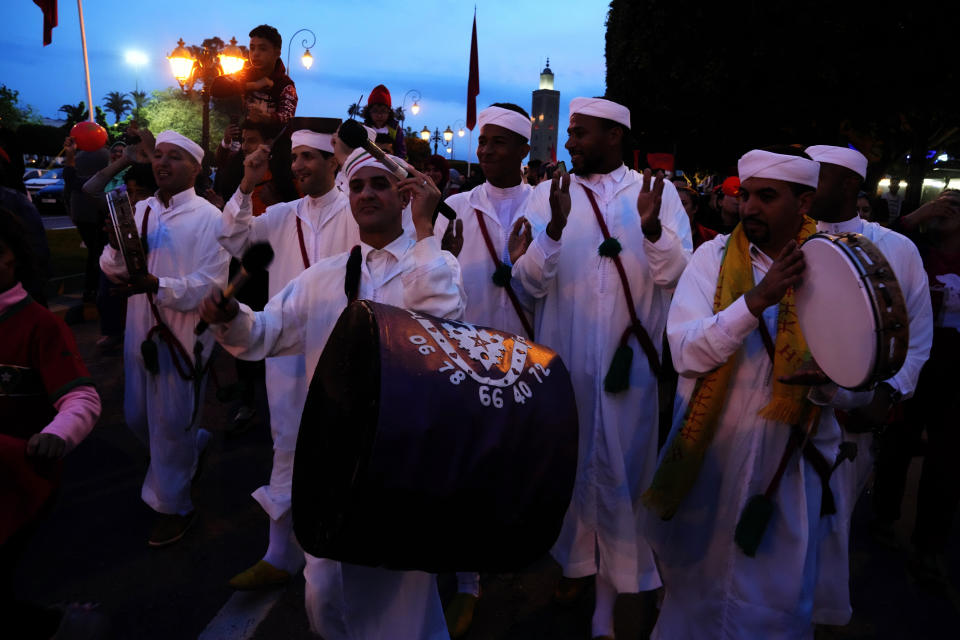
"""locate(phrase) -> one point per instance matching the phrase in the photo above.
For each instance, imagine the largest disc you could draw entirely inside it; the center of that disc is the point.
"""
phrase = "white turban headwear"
(360, 159)
(849, 158)
(510, 120)
(777, 166)
(172, 137)
(312, 139)
(600, 108)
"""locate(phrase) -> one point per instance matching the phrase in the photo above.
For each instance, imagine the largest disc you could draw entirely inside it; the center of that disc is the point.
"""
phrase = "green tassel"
(151, 359)
(753, 523)
(501, 277)
(618, 375)
(610, 248)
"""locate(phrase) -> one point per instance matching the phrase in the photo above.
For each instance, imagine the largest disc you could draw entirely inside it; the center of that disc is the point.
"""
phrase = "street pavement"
(92, 548)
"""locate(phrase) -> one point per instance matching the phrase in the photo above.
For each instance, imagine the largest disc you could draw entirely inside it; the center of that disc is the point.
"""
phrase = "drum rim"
(886, 364)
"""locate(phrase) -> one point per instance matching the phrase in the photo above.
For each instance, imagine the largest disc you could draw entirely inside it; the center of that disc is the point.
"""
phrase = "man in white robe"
(712, 588)
(491, 213)
(834, 206)
(347, 601)
(184, 263)
(302, 233)
(582, 313)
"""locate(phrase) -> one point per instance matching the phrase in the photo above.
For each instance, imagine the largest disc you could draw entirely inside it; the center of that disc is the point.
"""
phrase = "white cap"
(777, 166)
(849, 158)
(360, 159)
(312, 139)
(172, 137)
(511, 120)
(600, 108)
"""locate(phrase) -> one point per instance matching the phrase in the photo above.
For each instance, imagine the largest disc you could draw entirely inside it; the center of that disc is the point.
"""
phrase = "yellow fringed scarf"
(683, 457)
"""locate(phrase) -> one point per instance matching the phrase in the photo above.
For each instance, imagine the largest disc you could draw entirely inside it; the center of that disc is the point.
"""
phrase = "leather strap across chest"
(303, 246)
(498, 264)
(182, 362)
(635, 327)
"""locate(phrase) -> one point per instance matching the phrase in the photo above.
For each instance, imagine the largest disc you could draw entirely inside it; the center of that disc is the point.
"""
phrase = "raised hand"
(520, 238)
(648, 204)
(424, 198)
(452, 240)
(255, 167)
(786, 272)
(559, 204)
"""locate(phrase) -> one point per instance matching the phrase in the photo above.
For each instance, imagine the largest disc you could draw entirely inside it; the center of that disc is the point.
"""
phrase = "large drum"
(851, 310)
(434, 445)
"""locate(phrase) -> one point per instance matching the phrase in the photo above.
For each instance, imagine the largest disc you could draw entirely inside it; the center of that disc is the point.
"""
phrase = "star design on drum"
(485, 348)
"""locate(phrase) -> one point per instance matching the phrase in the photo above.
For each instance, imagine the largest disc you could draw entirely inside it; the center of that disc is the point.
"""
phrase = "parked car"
(30, 174)
(49, 177)
(49, 201)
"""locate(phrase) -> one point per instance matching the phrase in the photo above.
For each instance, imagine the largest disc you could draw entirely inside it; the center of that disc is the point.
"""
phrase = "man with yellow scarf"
(740, 512)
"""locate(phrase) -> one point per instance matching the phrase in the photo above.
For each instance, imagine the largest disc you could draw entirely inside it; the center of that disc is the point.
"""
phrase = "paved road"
(93, 547)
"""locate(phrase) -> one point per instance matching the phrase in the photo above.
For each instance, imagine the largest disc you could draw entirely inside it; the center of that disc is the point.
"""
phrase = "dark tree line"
(710, 81)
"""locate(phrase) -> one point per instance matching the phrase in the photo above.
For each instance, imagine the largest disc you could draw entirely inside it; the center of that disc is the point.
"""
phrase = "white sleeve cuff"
(736, 321)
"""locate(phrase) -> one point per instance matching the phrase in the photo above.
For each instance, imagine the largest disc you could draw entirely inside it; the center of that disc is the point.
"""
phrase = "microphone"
(257, 257)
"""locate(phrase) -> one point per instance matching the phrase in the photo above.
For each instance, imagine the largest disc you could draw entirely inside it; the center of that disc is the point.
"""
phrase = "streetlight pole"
(426, 136)
(415, 107)
(307, 58)
(204, 64)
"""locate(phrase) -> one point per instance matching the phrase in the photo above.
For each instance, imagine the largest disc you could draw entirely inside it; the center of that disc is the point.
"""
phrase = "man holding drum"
(834, 206)
(739, 430)
(389, 266)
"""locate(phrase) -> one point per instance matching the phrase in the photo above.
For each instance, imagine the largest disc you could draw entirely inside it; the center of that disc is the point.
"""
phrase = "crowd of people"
(720, 405)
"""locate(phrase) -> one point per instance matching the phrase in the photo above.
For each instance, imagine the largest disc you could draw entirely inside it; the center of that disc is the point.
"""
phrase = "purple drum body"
(432, 444)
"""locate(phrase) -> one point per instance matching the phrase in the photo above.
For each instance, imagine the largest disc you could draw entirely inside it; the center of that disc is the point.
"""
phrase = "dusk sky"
(421, 45)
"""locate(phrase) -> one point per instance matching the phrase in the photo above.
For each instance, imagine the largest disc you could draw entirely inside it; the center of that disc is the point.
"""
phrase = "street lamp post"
(203, 64)
(306, 58)
(437, 136)
(414, 108)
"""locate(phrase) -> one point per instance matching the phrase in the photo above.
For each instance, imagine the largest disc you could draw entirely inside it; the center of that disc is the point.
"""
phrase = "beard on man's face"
(757, 231)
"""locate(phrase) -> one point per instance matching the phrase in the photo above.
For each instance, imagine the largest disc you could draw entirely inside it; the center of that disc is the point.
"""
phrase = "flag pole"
(86, 61)
(469, 151)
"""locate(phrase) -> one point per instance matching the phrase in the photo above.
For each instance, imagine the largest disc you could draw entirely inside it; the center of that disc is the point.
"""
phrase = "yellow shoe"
(260, 576)
(459, 614)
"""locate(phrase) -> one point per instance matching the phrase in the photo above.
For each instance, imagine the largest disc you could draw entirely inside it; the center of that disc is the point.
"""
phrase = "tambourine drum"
(851, 310)
(434, 445)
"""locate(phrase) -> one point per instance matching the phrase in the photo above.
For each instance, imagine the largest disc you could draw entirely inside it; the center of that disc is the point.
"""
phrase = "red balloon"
(89, 136)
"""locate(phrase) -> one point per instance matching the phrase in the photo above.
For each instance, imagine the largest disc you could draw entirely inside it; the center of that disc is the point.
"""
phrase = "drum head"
(836, 314)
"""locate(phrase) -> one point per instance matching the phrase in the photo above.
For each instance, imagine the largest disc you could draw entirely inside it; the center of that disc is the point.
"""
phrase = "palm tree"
(118, 104)
(139, 101)
(75, 113)
(354, 110)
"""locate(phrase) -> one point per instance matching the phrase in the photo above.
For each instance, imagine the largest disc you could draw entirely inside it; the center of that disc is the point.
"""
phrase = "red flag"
(49, 8)
(473, 84)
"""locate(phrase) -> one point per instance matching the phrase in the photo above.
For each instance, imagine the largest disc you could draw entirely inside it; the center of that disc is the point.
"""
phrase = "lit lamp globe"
(181, 62)
(461, 132)
(231, 58)
(415, 108)
(448, 134)
(89, 136)
(307, 59)
(425, 134)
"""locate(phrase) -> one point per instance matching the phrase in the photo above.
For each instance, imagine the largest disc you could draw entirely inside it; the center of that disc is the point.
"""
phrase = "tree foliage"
(118, 104)
(41, 139)
(12, 113)
(78, 113)
(172, 109)
(710, 81)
